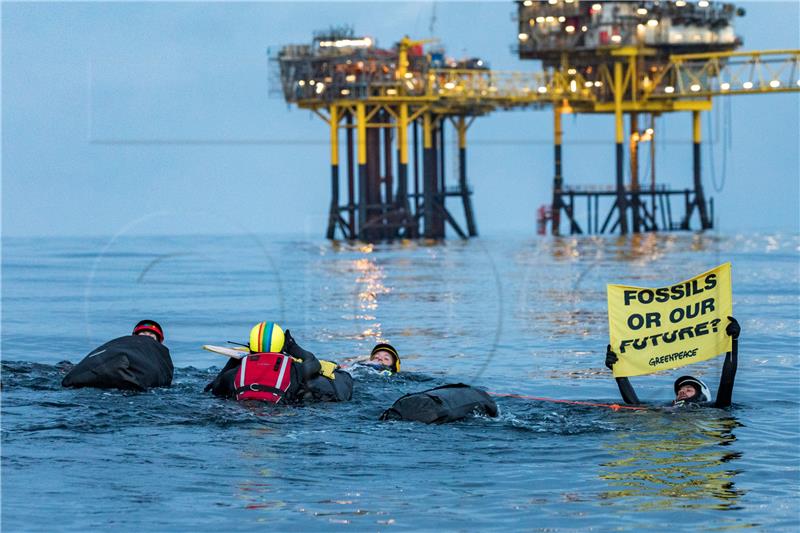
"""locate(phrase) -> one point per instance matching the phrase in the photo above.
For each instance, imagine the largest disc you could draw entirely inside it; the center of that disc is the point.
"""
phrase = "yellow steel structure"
(618, 86)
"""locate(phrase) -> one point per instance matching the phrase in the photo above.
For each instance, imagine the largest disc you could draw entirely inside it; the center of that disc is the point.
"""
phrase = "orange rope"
(613, 406)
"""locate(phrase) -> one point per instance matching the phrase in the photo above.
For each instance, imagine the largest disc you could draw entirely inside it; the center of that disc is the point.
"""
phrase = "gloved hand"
(733, 329)
(611, 358)
(290, 347)
(288, 341)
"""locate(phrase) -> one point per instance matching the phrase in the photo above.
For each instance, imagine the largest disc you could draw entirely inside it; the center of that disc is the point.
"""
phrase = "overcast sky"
(156, 118)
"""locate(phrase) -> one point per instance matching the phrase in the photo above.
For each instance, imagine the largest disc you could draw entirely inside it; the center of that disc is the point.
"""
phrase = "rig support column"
(333, 216)
(558, 180)
(361, 125)
(622, 207)
(699, 196)
(472, 229)
(351, 185)
(402, 172)
(432, 230)
(634, 157)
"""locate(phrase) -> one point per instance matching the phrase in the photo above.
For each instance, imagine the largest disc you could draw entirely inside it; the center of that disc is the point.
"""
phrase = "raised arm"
(725, 390)
(625, 387)
(310, 365)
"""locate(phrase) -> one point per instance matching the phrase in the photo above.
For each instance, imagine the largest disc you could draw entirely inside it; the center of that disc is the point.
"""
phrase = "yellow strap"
(326, 367)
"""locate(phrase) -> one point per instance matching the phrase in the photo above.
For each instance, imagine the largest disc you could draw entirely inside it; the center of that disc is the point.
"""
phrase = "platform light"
(542, 90)
(702, 3)
(391, 92)
(640, 27)
(550, 19)
(479, 62)
(540, 20)
(562, 18)
(409, 75)
(652, 23)
(311, 82)
(570, 29)
(680, 3)
(320, 87)
(775, 84)
(573, 86)
(598, 83)
(724, 86)
(584, 28)
(350, 78)
(747, 85)
(527, 3)
(650, 131)
(552, 2)
(669, 89)
(568, 1)
(345, 92)
(616, 38)
(695, 87)
(588, 84)
(301, 83)
(597, 7)
(798, 83)
(523, 36)
(641, 11)
(572, 71)
(366, 42)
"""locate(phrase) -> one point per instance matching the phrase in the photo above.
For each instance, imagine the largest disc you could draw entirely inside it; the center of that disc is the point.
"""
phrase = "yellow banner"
(669, 327)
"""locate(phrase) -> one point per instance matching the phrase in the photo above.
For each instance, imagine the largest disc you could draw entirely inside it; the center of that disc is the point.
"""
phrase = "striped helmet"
(266, 337)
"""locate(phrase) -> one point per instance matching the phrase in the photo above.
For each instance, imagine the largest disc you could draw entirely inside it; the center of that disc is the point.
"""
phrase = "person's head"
(266, 337)
(385, 354)
(691, 389)
(150, 328)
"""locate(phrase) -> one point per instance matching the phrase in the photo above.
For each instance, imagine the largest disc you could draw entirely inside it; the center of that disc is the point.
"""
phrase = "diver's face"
(383, 357)
(148, 334)
(686, 392)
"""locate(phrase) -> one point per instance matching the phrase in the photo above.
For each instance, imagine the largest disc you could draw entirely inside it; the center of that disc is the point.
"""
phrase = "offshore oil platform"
(640, 59)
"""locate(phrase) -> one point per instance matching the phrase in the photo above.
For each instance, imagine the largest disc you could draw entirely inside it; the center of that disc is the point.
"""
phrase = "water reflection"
(684, 463)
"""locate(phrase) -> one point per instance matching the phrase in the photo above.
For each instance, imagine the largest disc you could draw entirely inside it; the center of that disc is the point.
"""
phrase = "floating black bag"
(322, 389)
(134, 362)
(442, 404)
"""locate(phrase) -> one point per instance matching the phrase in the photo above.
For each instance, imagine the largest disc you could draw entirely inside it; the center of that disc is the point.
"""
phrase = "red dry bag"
(263, 376)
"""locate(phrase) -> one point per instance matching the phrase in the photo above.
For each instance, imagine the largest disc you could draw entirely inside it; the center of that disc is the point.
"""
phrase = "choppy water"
(520, 315)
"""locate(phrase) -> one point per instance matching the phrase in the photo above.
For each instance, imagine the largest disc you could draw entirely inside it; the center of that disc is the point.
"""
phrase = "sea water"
(520, 315)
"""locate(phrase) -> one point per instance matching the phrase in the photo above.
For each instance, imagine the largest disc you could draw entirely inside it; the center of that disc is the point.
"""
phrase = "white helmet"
(703, 394)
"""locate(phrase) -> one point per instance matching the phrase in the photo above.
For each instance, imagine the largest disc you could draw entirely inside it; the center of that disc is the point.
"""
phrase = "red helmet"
(149, 325)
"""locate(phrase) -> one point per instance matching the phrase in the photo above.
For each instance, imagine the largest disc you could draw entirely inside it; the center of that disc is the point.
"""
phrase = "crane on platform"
(615, 58)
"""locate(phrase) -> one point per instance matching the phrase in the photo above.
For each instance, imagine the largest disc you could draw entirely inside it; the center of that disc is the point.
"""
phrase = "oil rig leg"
(402, 206)
(699, 196)
(361, 126)
(558, 180)
(429, 179)
(351, 184)
(622, 207)
(333, 216)
(472, 228)
(634, 164)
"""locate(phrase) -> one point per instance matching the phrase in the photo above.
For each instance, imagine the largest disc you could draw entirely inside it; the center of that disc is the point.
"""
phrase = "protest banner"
(653, 329)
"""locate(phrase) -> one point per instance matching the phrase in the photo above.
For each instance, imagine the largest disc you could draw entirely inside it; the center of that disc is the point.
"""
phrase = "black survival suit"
(725, 390)
(305, 379)
(132, 362)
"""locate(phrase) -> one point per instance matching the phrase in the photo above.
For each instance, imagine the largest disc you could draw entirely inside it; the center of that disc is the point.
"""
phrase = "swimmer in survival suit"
(688, 389)
(309, 378)
(138, 361)
(383, 359)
